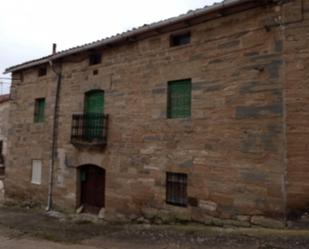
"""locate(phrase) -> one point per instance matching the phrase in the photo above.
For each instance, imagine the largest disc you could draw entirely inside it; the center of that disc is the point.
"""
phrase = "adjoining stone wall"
(28, 140)
(233, 148)
(4, 126)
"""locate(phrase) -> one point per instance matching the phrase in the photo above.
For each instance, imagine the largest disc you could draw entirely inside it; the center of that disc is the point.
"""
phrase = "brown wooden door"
(92, 188)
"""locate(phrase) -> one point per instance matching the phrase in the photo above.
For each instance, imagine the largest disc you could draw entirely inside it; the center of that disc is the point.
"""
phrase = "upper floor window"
(42, 71)
(95, 59)
(180, 39)
(179, 99)
(39, 110)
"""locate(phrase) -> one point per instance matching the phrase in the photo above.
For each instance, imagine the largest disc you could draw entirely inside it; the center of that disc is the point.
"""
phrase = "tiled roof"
(131, 33)
(4, 98)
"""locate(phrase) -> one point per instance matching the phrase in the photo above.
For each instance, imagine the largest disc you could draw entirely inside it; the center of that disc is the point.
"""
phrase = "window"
(42, 71)
(176, 189)
(180, 39)
(95, 59)
(179, 99)
(39, 110)
(36, 177)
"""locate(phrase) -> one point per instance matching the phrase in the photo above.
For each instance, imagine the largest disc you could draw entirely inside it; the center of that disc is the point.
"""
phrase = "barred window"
(176, 189)
(179, 99)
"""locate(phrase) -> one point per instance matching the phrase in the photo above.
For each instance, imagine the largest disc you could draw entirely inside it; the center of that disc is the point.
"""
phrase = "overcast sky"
(29, 27)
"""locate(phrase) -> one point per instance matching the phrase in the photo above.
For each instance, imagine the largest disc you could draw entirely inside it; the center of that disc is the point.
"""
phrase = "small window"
(42, 71)
(95, 59)
(179, 99)
(36, 177)
(176, 189)
(39, 110)
(180, 39)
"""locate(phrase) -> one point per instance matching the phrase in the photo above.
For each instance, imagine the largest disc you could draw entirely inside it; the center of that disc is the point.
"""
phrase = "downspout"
(54, 134)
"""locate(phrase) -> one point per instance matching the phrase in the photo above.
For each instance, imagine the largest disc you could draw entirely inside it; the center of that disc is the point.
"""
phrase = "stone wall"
(233, 148)
(297, 106)
(4, 126)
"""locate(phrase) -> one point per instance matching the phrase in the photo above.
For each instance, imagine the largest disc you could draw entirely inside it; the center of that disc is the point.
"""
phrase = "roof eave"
(118, 38)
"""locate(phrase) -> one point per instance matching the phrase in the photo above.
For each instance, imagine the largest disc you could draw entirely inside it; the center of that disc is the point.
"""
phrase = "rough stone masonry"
(244, 149)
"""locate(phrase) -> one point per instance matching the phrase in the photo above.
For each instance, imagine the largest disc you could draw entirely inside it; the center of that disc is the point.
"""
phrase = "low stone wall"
(156, 216)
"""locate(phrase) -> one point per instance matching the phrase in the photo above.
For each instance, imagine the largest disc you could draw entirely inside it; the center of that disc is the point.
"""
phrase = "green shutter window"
(179, 99)
(39, 110)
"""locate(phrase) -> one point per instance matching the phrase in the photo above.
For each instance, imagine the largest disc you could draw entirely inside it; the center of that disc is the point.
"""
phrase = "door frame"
(79, 189)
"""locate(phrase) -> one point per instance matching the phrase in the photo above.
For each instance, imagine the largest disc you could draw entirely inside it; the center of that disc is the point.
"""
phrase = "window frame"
(181, 193)
(39, 110)
(42, 71)
(95, 58)
(170, 108)
(179, 39)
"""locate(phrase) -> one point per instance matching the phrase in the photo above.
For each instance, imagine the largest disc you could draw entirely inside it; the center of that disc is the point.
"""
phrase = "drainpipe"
(54, 133)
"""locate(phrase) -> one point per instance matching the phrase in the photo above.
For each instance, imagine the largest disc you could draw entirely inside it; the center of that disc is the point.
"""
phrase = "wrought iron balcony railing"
(89, 129)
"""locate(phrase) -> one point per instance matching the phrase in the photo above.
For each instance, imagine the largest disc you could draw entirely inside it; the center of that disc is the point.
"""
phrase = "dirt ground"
(29, 229)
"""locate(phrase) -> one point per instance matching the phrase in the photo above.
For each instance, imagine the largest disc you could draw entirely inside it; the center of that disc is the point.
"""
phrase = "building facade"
(201, 117)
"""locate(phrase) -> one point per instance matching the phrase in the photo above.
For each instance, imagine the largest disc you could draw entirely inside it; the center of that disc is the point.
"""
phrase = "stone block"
(267, 222)
(208, 205)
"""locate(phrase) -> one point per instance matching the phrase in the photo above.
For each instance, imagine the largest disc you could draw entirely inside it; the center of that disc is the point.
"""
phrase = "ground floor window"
(36, 177)
(176, 189)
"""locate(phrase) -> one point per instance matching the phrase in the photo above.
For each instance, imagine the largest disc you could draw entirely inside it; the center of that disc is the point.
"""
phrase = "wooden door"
(92, 188)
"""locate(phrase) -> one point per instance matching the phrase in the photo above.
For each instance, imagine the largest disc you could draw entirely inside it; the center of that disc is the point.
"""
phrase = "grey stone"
(267, 222)
(274, 69)
(258, 111)
(101, 214)
(188, 163)
(230, 44)
(159, 91)
(208, 205)
(80, 209)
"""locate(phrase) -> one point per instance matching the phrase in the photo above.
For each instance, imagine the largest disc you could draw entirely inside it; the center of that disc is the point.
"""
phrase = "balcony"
(89, 130)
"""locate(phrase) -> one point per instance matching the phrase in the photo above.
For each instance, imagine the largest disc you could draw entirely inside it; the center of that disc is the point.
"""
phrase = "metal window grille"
(179, 99)
(89, 127)
(176, 189)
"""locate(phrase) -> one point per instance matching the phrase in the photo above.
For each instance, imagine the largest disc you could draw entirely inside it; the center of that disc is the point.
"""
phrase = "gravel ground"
(21, 228)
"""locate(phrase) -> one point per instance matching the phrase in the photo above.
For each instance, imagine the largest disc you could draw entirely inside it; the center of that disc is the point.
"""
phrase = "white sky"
(29, 27)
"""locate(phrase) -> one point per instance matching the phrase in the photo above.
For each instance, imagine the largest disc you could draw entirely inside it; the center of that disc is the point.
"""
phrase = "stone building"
(200, 117)
(4, 115)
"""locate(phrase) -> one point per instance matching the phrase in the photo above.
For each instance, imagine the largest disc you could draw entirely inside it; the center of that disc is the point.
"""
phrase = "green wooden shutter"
(179, 99)
(94, 108)
(94, 102)
(39, 112)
